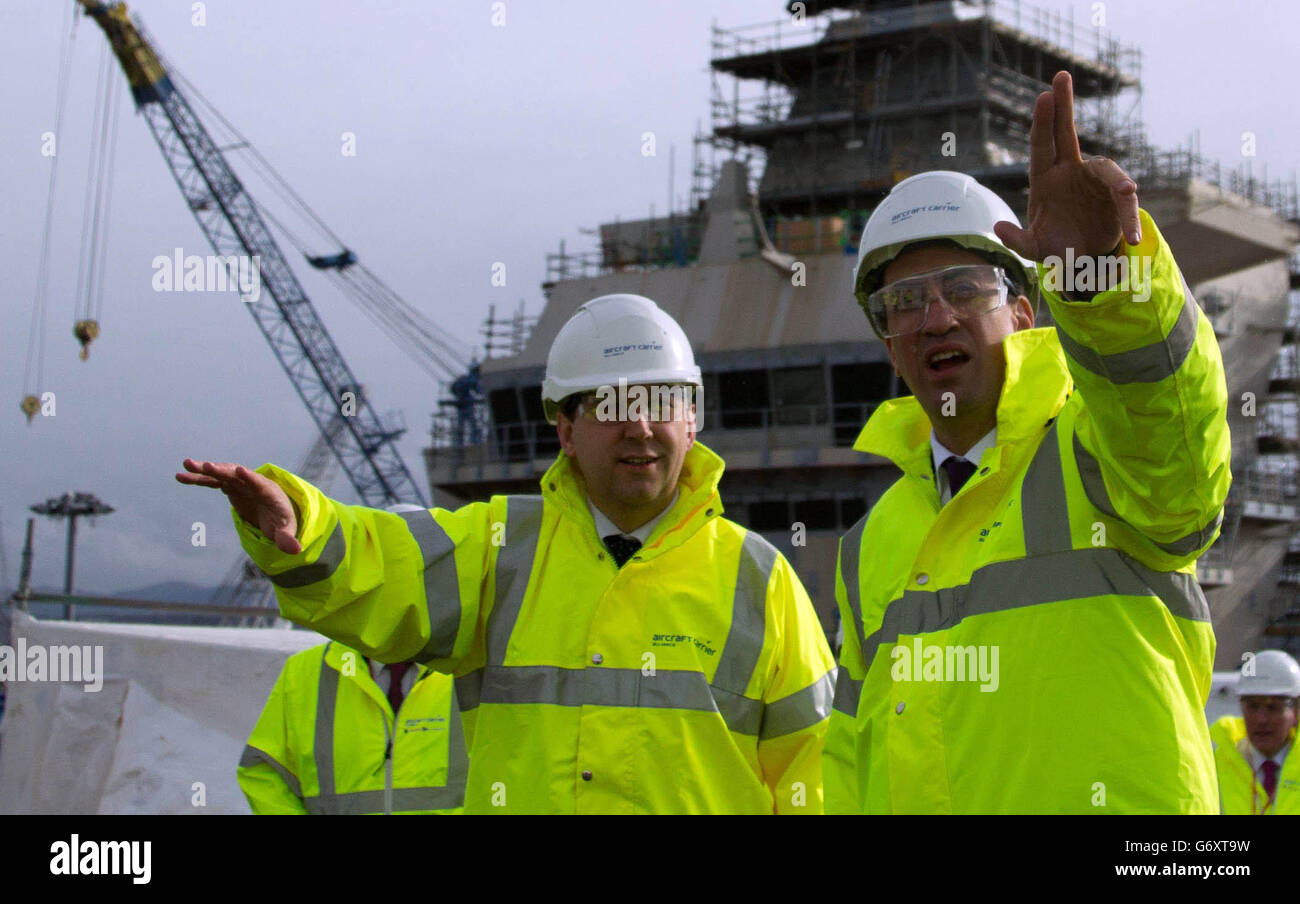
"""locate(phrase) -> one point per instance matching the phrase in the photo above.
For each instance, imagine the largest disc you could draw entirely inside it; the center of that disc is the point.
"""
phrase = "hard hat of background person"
(612, 338)
(938, 205)
(1276, 674)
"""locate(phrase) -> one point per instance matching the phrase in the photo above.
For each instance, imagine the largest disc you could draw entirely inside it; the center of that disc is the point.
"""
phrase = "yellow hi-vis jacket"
(695, 679)
(327, 742)
(1241, 790)
(1040, 643)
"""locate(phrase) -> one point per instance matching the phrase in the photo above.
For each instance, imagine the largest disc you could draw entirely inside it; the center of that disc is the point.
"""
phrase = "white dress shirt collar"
(1258, 759)
(940, 453)
(605, 527)
(383, 678)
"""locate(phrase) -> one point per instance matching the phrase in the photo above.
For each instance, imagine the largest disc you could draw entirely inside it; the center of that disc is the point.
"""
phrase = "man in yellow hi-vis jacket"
(618, 645)
(1023, 629)
(1257, 775)
(329, 741)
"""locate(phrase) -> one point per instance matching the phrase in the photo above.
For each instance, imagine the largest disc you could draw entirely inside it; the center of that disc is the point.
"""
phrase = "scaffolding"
(505, 337)
(831, 109)
(845, 103)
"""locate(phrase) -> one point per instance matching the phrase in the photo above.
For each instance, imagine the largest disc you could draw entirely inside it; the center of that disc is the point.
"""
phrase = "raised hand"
(1084, 205)
(258, 500)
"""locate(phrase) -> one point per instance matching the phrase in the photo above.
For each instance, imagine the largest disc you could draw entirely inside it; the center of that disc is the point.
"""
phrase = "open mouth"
(946, 360)
(639, 462)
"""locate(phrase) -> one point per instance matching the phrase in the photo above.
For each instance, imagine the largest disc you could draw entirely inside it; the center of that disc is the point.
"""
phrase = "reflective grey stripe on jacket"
(595, 685)
(252, 756)
(322, 748)
(1148, 364)
(356, 803)
(331, 556)
(441, 587)
(1094, 485)
(441, 584)
(514, 565)
(1051, 571)
(848, 691)
(850, 560)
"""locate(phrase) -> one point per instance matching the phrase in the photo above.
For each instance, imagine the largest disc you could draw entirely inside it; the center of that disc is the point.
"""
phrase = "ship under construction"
(814, 118)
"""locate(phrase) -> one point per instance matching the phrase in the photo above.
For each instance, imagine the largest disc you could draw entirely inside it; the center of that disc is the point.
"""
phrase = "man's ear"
(1024, 313)
(564, 429)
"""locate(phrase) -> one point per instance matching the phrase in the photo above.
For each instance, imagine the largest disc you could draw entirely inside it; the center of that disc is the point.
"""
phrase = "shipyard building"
(814, 118)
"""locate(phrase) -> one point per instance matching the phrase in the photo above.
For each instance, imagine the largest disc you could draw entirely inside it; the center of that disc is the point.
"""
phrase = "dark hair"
(569, 405)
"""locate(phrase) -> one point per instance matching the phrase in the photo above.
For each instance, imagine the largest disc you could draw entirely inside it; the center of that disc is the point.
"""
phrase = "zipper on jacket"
(388, 767)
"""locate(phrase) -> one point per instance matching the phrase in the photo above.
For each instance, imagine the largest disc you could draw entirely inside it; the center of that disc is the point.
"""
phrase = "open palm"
(257, 499)
(1078, 205)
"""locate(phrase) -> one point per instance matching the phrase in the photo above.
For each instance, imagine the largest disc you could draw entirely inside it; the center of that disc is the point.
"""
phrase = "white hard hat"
(936, 205)
(1276, 674)
(612, 338)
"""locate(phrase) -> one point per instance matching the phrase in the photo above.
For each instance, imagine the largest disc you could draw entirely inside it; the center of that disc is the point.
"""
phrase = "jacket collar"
(358, 666)
(1036, 386)
(697, 499)
(359, 671)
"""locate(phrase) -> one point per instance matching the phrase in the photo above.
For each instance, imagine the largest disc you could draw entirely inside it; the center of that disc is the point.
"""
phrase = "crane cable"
(370, 287)
(403, 323)
(398, 327)
(36, 338)
(96, 308)
(92, 193)
(388, 311)
(101, 166)
(277, 182)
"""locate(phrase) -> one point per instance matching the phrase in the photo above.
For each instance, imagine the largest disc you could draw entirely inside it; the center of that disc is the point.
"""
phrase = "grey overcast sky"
(474, 144)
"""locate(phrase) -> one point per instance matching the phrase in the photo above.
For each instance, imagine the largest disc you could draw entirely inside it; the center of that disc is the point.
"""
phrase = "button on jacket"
(327, 742)
(1040, 643)
(694, 679)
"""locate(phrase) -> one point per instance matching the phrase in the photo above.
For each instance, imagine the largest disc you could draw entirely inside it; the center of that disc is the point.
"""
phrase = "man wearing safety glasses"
(1023, 629)
(619, 646)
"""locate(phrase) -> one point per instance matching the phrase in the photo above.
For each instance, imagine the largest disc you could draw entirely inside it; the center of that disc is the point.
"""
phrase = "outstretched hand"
(1083, 205)
(257, 499)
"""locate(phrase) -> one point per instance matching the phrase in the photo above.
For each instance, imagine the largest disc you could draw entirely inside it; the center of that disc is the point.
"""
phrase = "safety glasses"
(656, 403)
(969, 290)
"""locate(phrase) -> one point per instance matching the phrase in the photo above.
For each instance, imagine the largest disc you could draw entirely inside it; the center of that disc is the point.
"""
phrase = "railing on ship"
(731, 429)
(64, 607)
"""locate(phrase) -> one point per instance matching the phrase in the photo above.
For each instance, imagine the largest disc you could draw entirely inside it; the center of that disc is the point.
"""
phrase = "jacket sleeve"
(844, 737)
(265, 770)
(1151, 440)
(395, 587)
(796, 698)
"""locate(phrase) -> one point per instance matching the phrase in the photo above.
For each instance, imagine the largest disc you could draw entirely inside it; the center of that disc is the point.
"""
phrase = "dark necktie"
(959, 471)
(396, 671)
(1270, 778)
(621, 548)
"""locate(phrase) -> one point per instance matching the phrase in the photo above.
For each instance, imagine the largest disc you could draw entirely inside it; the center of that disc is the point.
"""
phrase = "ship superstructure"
(815, 117)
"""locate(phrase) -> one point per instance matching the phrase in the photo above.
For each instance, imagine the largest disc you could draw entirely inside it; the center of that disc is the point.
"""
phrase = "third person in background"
(1257, 775)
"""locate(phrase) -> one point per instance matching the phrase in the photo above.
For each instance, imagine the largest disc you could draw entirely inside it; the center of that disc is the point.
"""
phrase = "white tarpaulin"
(163, 732)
